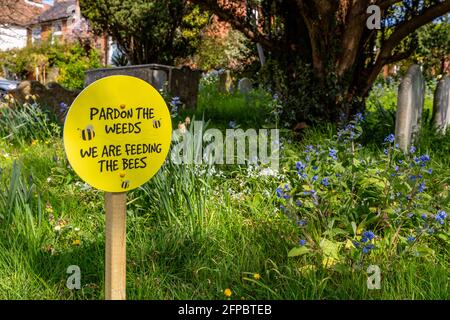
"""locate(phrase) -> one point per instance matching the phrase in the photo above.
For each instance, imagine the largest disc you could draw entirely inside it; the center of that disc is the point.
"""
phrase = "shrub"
(346, 201)
(72, 60)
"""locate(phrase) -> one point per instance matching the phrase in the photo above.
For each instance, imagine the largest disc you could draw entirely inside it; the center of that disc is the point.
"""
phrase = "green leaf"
(423, 251)
(298, 251)
(330, 249)
(354, 227)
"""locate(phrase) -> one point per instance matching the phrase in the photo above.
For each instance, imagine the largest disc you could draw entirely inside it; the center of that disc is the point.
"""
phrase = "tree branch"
(401, 32)
(229, 14)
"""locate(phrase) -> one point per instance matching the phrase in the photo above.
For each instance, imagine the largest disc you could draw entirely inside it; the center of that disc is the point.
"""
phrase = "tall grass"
(192, 231)
(24, 123)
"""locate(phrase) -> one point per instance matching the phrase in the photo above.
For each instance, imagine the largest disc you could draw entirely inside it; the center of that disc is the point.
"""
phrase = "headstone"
(411, 95)
(181, 82)
(245, 85)
(225, 82)
(441, 105)
(184, 84)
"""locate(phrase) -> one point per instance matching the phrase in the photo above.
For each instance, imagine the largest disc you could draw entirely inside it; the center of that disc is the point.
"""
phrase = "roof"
(19, 12)
(59, 10)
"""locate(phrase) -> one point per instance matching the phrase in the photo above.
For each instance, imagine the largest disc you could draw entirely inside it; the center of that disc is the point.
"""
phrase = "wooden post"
(115, 255)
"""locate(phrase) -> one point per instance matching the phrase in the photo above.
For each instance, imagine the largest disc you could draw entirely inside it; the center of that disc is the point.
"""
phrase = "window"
(36, 34)
(57, 28)
(56, 31)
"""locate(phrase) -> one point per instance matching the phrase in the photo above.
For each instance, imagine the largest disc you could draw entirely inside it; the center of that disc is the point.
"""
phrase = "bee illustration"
(88, 133)
(126, 184)
(156, 124)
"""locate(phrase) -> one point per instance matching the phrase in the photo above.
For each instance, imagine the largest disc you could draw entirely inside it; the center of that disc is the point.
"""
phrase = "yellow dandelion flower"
(34, 142)
(76, 242)
(256, 276)
(227, 292)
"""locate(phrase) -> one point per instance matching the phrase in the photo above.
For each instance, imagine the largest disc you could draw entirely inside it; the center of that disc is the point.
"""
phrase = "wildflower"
(356, 244)
(359, 117)
(286, 187)
(49, 208)
(424, 216)
(397, 168)
(390, 138)
(34, 142)
(411, 239)
(326, 182)
(333, 154)
(182, 128)
(410, 215)
(298, 203)
(227, 292)
(302, 242)
(256, 276)
(367, 236)
(57, 228)
(279, 192)
(430, 171)
(424, 159)
(440, 217)
(301, 223)
(412, 149)
(315, 168)
(422, 187)
(62, 107)
(300, 166)
(386, 151)
(232, 124)
(315, 178)
(175, 101)
(309, 148)
(367, 248)
(76, 242)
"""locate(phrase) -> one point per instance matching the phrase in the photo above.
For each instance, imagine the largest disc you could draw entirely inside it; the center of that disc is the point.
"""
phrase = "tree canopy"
(148, 31)
(322, 57)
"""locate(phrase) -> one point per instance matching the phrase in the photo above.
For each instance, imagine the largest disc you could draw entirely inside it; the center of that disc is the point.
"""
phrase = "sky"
(48, 1)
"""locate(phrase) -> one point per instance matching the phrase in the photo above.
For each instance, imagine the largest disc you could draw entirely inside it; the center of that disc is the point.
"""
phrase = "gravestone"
(180, 82)
(411, 95)
(225, 82)
(441, 105)
(245, 85)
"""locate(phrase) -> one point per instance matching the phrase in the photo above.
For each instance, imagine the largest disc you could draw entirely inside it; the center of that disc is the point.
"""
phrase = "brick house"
(15, 17)
(28, 22)
(63, 22)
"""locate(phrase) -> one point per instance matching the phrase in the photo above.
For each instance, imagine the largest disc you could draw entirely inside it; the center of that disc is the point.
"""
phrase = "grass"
(190, 234)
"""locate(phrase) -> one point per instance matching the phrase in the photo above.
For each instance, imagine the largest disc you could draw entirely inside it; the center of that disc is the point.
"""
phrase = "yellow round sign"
(117, 133)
